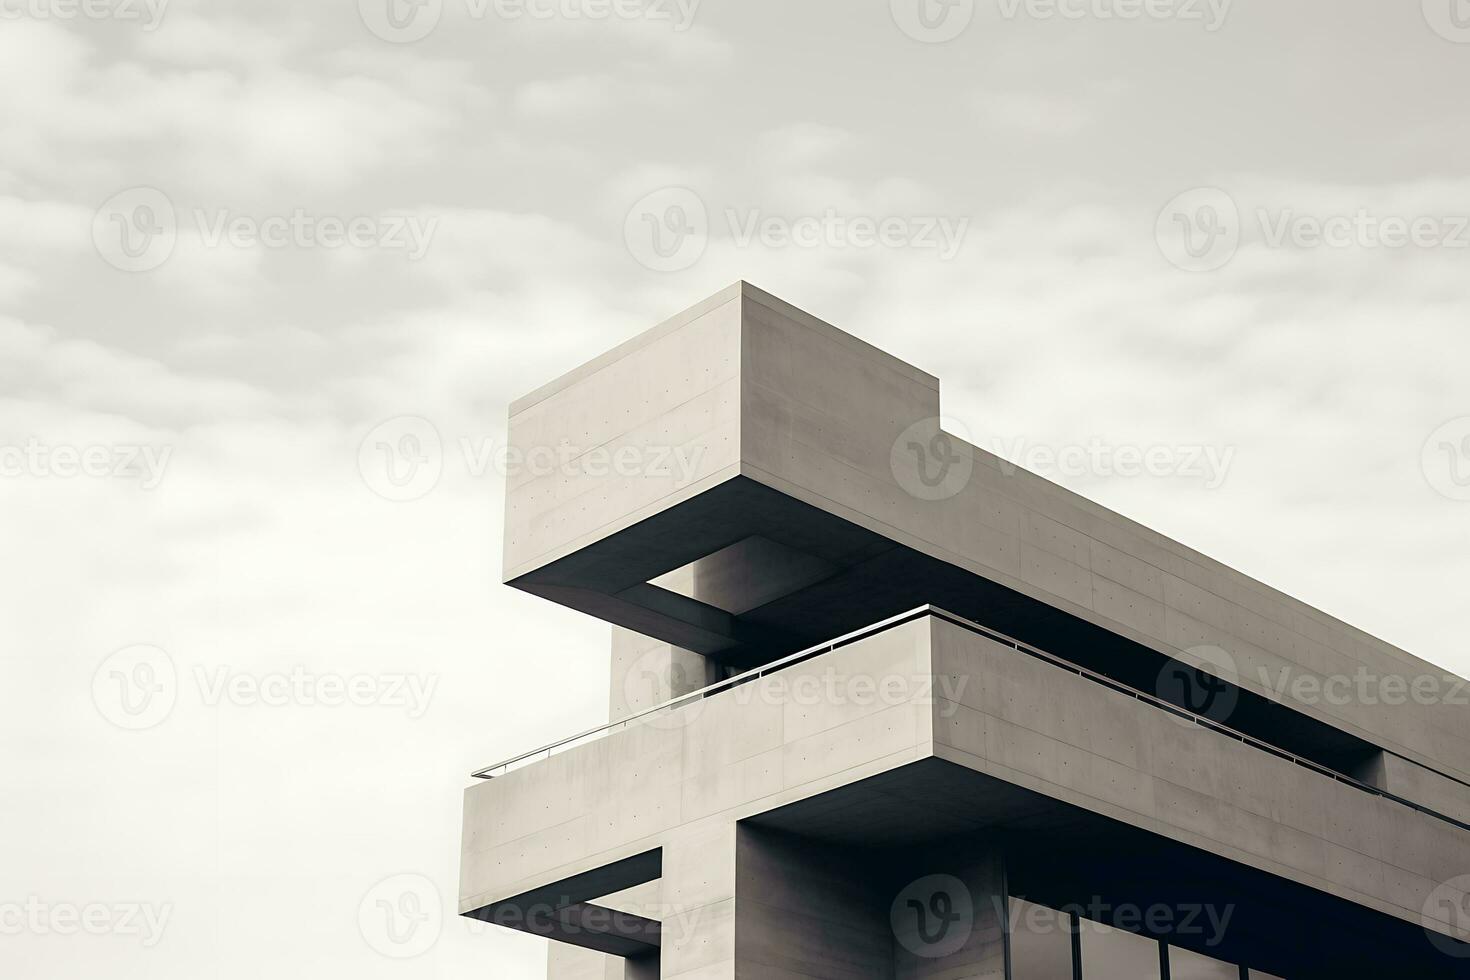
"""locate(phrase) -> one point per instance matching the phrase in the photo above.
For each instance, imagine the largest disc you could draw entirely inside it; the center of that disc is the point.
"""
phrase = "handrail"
(814, 651)
(489, 772)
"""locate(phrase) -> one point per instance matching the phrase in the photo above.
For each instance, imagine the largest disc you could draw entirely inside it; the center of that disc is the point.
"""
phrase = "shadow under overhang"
(1064, 856)
(848, 578)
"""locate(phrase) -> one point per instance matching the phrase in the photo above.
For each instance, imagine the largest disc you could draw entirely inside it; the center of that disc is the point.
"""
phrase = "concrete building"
(885, 707)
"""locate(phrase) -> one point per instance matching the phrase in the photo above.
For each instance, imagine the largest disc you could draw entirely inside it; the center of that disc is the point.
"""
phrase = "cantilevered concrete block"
(996, 703)
(800, 479)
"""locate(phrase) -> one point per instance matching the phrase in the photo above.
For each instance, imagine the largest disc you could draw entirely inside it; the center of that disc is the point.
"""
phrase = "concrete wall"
(1043, 728)
(647, 672)
(565, 962)
(682, 782)
(739, 753)
(819, 417)
(808, 910)
(765, 390)
(761, 905)
(674, 388)
(1425, 786)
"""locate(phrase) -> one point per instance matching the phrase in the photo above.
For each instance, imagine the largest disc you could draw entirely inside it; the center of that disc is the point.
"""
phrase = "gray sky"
(237, 237)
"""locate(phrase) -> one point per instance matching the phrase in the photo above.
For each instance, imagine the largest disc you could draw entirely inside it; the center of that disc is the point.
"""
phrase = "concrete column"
(805, 909)
(566, 962)
(949, 919)
(699, 904)
(647, 672)
(743, 903)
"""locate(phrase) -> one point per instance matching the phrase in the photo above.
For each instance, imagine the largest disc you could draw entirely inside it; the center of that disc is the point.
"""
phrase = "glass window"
(1112, 954)
(1184, 965)
(1041, 942)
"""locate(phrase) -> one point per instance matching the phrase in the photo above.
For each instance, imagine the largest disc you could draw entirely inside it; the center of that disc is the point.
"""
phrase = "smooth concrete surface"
(564, 962)
(757, 389)
(968, 700)
(1035, 725)
(647, 672)
(673, 388)
(719, 759)
(760, 503)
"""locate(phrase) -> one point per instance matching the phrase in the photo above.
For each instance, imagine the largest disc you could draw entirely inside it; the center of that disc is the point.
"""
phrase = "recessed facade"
(882, 706)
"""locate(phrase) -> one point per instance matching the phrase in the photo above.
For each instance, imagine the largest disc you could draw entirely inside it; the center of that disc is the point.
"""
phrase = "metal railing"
(490, 772)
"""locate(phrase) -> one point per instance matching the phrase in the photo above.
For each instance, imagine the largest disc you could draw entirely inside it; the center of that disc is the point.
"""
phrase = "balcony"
(927, 726)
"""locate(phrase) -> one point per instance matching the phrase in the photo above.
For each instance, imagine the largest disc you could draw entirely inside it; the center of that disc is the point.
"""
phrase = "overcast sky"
(244, 686)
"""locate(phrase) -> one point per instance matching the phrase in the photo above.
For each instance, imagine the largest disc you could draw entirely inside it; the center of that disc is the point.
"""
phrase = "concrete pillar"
(948, 920)
(699, 903)
(565, 962)
(744, 903)
(805, 909)
(648, 672)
